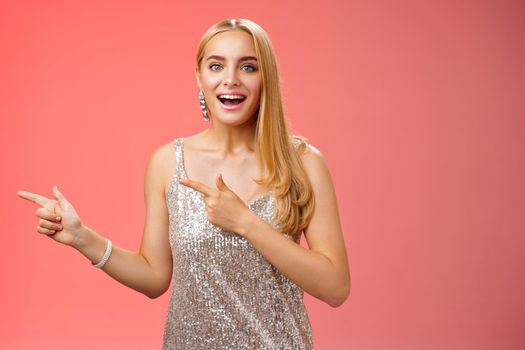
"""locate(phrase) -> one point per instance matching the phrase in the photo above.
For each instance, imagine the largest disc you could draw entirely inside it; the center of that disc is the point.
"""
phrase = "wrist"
(83, 238)
(251, 222)
(90, 244)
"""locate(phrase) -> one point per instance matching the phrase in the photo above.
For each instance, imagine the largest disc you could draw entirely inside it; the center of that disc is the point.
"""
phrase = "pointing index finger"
(197, 186)
(33, 197)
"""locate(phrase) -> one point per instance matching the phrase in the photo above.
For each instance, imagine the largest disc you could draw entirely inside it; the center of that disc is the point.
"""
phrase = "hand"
(58, 218)
(225, 209)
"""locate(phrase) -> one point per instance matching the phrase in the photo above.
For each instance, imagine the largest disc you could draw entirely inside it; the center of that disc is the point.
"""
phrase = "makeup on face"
(229, 73)
(231, 100)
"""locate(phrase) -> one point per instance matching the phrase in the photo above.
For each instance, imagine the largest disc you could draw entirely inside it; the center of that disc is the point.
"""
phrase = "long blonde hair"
(277, 156)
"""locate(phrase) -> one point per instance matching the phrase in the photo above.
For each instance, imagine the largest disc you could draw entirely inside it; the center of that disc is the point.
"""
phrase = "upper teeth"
(231, 97)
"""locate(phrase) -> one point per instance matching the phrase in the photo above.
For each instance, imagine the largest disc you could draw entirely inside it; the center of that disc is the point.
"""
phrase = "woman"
(225, 210)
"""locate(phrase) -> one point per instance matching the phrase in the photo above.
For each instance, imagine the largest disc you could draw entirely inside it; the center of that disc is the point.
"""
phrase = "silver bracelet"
(107, 253)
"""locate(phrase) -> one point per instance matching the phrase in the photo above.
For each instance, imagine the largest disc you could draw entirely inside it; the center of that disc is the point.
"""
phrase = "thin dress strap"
(179, 157)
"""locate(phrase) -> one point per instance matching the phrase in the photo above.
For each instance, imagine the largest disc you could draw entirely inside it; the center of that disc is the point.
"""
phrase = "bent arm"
(149, 270)
(127, 267)
(322, 270)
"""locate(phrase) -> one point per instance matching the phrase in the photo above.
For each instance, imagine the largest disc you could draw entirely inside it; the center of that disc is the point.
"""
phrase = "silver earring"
(203, 106)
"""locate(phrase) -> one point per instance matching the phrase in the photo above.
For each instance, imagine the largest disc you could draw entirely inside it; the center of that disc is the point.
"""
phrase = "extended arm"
(147, 271)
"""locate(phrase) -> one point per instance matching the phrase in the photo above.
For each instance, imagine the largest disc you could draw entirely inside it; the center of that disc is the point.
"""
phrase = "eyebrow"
(242, 59)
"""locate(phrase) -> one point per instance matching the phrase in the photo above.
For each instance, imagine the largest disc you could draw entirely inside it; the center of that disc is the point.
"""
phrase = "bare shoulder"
(312, 154)
(313, 160)
(163, 156)
(161, 164)
(305, 148)
(164, 151)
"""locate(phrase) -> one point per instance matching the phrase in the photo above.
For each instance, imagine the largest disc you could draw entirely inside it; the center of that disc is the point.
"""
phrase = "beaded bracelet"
(105, 258)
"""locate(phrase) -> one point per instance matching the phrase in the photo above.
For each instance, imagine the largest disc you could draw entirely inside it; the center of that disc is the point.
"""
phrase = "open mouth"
(231, 100)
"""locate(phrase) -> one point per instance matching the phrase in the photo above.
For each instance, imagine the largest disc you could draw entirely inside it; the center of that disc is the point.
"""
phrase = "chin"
(234, 119)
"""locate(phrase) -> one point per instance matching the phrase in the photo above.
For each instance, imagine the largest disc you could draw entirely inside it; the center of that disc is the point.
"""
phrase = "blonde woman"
(225, 211)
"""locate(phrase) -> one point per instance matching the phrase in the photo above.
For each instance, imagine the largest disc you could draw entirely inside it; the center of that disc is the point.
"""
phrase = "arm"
(322, 270)
(147, 271)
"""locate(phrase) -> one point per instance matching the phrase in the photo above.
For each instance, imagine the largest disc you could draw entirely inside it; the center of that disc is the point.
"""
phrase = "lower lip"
(232, 107)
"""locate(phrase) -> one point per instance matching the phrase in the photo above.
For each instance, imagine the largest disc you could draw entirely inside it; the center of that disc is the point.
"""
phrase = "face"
(229, 77)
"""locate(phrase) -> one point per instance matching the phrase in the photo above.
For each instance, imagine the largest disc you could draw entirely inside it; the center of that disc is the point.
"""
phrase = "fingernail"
(52, 231)
(58, 217)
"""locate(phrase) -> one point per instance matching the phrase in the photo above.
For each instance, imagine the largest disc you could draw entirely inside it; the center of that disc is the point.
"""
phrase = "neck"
(231, 140)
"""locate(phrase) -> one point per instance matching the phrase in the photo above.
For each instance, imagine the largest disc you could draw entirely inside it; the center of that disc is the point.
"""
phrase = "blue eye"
(249, 67)
(215, 66)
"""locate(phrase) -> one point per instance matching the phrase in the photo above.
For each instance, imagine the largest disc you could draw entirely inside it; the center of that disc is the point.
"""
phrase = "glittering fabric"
(224, 293)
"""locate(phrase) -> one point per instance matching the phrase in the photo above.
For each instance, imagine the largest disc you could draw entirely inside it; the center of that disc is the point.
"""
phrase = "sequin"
(224, 293)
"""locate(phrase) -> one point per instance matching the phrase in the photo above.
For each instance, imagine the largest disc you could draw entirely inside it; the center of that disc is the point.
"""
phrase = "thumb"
(59, 196)
(221, 185)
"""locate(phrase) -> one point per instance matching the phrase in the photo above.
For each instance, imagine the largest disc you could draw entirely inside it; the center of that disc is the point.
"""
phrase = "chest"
(238, 174)
(190, 230)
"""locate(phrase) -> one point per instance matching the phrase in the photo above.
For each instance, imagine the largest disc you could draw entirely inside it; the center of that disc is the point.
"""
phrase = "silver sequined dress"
(224, 293)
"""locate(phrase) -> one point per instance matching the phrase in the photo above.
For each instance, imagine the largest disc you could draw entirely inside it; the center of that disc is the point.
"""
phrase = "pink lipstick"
(231, 101)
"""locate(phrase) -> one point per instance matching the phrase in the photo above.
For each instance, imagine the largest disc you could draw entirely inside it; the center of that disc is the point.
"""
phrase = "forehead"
(231, 43)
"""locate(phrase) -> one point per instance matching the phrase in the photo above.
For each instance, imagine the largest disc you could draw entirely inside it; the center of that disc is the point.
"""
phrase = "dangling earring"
(203, 106)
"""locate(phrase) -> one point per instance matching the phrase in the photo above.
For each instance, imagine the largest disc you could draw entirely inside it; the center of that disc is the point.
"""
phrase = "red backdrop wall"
(418, 107)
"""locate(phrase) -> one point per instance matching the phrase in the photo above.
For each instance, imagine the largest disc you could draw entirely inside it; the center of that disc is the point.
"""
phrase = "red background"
(418, 107)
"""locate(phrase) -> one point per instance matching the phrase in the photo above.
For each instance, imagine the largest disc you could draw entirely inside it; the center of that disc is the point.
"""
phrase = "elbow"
(154, 293)
(339, 295)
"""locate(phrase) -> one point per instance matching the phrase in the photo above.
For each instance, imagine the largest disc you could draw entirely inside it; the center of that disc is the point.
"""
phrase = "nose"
(231, 76)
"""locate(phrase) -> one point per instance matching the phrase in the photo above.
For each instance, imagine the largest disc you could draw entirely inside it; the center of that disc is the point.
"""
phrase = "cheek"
(209, 82)
(258, 98)
(209, 86)
(256, 89)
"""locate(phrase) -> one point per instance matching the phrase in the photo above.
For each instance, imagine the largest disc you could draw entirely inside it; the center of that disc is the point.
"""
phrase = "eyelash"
(253, 68)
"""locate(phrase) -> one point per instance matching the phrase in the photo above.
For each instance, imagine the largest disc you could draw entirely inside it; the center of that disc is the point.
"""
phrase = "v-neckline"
(185, 176)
